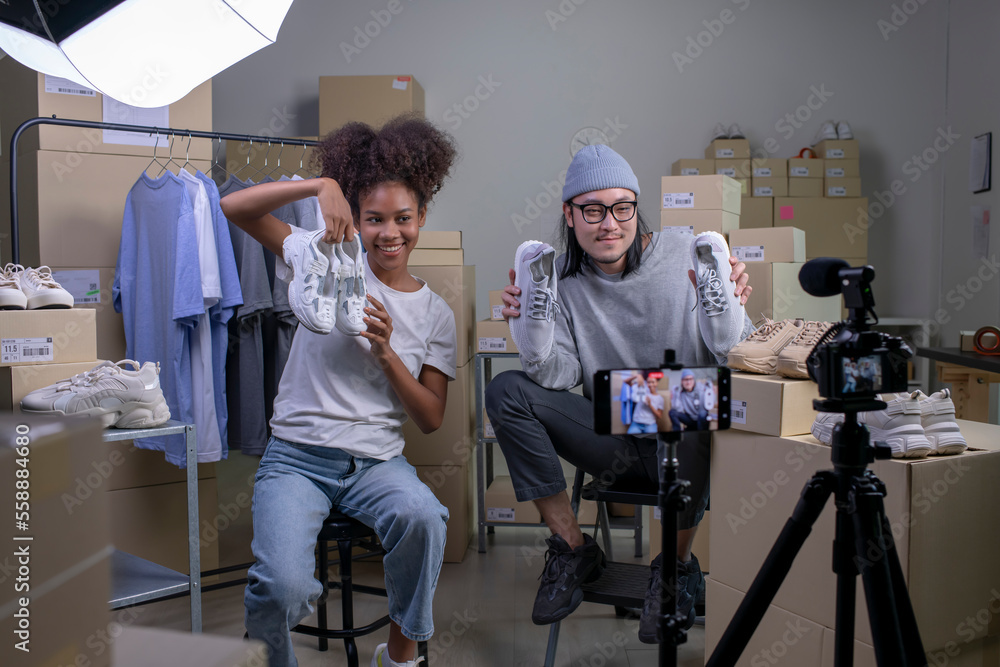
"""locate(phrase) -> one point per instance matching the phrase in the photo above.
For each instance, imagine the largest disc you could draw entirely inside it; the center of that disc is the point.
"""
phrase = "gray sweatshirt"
(606, 322)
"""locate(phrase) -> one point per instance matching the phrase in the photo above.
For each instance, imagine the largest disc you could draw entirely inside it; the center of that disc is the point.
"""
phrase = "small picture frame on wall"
(980, 157)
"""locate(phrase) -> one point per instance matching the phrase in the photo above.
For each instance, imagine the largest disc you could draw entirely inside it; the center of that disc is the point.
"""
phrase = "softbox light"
(146, 53)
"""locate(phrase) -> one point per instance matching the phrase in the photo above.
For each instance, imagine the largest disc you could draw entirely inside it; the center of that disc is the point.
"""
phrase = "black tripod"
(672, 500)
(863, 544)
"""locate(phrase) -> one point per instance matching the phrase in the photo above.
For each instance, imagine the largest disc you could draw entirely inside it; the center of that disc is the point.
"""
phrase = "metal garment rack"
(138, 129)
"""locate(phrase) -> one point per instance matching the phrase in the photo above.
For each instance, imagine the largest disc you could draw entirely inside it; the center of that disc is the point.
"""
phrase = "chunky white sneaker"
(937, 416)
(351, 291)
(735, 132)
(42, 291)
(844, 130)
(898, 426)
(382, 659)
(721, 316)
(535, 274)
(826, 131)
(120, 396)
(11, 296)
(822, 426)
(720, 132)
(310, 291)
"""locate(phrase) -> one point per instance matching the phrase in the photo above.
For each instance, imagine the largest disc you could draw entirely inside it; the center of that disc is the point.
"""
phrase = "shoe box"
(720, 193)
(770, 244)
(734, 168)
(91, 288)
(771, 404)
(157, 647)
(503, 506)
(494, 336)
(744, 184)
(756, 212)
(436, 257)
(810, 168)
(368, 99)
(728, 149)
(454, 442)
(439, 239)
(842, 169)
(457, 286)
(805, 187)
(64, 574)
(452, 486)
(834, 227)
(701, 547)
(941, 510)
(496, 305)
(842, 187)
(771, 186)
(47, 336)
(696, 221)
(689, 167)
(16, 382)
(778, 295)
(768, 167)
(838, 149)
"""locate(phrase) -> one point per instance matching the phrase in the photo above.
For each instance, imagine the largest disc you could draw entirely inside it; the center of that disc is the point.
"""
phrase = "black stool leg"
(422, 651)
(346, 599)
(324, 580)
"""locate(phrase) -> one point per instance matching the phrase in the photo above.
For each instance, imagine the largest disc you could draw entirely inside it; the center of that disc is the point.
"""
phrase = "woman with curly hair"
(337, 427)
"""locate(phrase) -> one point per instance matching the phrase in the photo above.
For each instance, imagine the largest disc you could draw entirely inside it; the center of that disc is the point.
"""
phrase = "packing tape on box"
(993, 348)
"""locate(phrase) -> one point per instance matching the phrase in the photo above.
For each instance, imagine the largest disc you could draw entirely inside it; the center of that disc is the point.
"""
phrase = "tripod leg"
(773, 571)
(847, 579)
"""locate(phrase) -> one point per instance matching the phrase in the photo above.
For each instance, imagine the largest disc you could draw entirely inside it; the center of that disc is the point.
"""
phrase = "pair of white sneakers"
(831, 131)
(327, 288)
(913, 425)
(30, 289)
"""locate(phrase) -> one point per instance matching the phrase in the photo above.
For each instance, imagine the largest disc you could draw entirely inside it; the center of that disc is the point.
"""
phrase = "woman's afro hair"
(408, 150)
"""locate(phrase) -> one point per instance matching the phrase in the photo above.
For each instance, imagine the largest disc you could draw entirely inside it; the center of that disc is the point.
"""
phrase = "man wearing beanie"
(624, 296)
(690, 403)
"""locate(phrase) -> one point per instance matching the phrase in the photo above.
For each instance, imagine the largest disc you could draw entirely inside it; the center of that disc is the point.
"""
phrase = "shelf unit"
(135, 580)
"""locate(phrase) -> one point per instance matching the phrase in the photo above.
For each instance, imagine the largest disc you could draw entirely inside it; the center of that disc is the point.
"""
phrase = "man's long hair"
(577, 259)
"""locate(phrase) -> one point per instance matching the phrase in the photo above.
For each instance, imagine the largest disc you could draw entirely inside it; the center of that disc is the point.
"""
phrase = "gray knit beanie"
(597, 167)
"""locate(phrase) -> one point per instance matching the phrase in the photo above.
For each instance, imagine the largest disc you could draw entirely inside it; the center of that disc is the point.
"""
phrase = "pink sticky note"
(787, 213)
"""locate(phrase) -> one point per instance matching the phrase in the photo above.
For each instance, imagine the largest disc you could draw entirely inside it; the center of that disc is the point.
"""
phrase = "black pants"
(535, 426)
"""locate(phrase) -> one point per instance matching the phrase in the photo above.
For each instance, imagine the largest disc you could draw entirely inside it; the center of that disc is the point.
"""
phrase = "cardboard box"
(961, 652)
(496, 305)
(701, 192)
(494, 336)
(842, 187)
(57, 336)
(700, 547)
(155, 647)
(696, 221)
(735, 168)
(457, 286)
(254, 160)
(503, 506)
(838, 149)
(834, 227)
(18, 381)
(757, 481)
(91, 288)
(436, 257)
(843, 169)
(452, 443)
(805, 167)
(768, 167)
(744, 186)
(805, 187)
(774, 186)
(452, 486)
(756, 213)
(771, 244)
(368, 99)
(722, 149)
(778, 295)
(434, 238)
(771, 404)
(687, 167)
(25, 98)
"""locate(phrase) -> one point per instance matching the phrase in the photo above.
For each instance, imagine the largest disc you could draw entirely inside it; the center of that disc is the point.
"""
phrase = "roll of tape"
(991, 347)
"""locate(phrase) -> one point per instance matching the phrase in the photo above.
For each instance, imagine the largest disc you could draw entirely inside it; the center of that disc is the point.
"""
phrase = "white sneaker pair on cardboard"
(327, 288)
(30, 289)
(831, 131)
(913, 425)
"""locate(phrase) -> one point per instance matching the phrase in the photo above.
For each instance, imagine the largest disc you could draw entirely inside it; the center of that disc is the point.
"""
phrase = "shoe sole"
(129, 415)
(907, 442)
(595, 573)
(48, 301)
(791, 369)
(762, 365)
(946, 442)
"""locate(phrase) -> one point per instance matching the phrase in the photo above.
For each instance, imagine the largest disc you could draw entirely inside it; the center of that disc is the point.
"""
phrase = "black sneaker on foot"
(565, 571)
(689, 580)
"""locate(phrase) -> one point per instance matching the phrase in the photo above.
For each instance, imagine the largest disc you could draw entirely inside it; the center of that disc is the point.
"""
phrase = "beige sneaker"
(758, 352)
(792, 358)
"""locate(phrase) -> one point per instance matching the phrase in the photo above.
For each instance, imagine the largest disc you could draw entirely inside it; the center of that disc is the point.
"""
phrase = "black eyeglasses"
(623, 211)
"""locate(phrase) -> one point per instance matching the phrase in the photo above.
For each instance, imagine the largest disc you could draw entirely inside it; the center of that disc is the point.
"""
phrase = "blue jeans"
(697, 422)
(294, 491)
(636, 428)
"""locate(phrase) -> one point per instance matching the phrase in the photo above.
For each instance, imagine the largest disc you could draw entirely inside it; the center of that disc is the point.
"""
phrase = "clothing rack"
(140, 129)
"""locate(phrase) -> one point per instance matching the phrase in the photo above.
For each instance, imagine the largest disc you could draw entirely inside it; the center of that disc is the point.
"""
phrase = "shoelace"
(43, 276)
(91, 377)
(551, 571)
(543, 305)
(9, 274)
(810, 334)
(711, 294)
(768, 329)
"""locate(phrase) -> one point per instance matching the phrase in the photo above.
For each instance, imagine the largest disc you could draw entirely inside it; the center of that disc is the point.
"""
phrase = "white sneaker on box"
(721, 316)
(899, 426)
(735, 132)
(351, 290)
(822, 426)
(42, 291)
(937, 416)
(11, 296)
(310, 291)
(844, 130)
(827, 131)
(535, 274)
(720, 132)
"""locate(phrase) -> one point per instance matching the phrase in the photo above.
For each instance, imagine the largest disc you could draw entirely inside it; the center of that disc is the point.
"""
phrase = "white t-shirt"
(642, 414)
(333, 393)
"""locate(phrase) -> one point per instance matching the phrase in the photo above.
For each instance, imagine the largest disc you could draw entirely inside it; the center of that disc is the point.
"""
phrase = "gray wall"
(615, 60)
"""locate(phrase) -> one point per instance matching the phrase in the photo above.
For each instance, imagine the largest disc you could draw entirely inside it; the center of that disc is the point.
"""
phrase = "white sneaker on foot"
(844, 130)
(351, 291)
(721, 316)
(937, 416)
(11, 296)
(42, 291)
(124, 395)
(535, 274)
(382, 659)
(310, 291)
(826, 131)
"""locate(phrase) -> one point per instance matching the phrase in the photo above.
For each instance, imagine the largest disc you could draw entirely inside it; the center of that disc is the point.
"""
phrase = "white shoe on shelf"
(844, 130)
(720, 132)
(42, 291)
(11, 296)
(937, 416)
(827, 131)
(899, 426)
(735, 132)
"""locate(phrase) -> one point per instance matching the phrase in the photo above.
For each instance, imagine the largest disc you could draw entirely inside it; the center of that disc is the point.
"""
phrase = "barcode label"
(497, 312)
(724, 152)
(749, 253)
(834, 153)
(690, 171)
(678, 200)
(838, 191)
(762, 172)
(56, 84)
(21, 350)
(492, 344)
(739, 412)
(656, 515)
(763, 192)
(505, 514)
(837, 172)
(85, 286)
(799, 171)
(678, 229)
(488, 431)
(727, 171)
